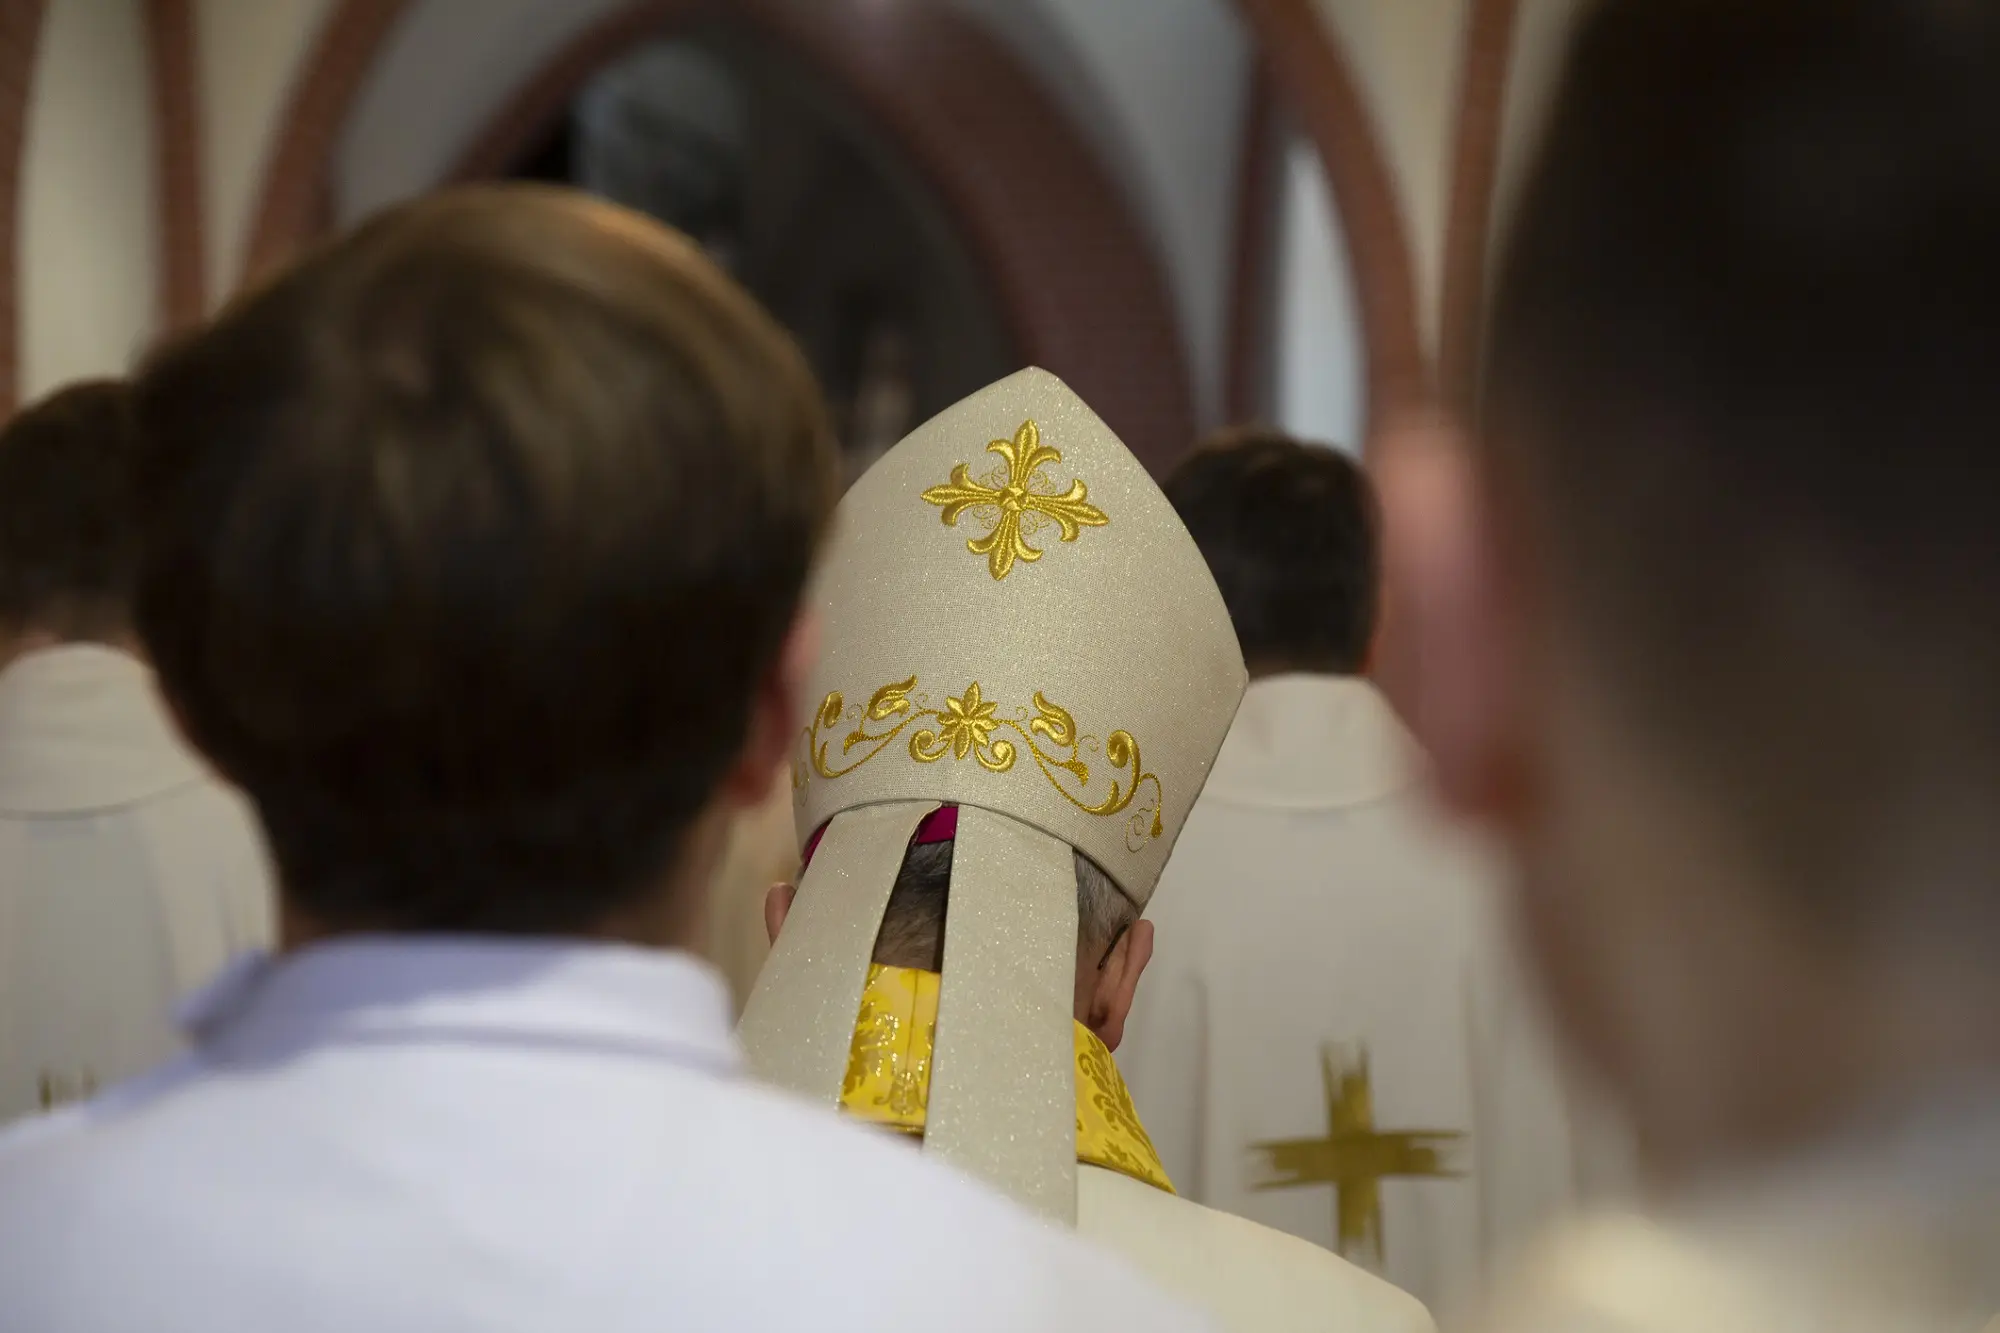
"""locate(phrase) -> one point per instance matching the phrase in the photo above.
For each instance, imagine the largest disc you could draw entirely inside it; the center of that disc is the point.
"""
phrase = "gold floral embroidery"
(1109, 1094)
(966, 726)
(1017, 500)
(888, 1084)
(908, 1089)
(889, 1060)
(874, 1049)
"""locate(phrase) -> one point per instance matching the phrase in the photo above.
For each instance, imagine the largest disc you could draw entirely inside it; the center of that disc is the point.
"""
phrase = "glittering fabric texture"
(798, 1022)
(1107, 662)
(1003, 1097)
(889, 1077)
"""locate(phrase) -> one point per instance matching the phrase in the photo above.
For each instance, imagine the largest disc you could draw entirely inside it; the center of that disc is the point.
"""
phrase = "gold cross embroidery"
(1018, 499)
(1354, 1157)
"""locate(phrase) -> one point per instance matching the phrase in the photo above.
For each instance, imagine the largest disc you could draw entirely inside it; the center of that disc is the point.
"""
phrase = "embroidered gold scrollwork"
(965, 727)
(888, 702)
(1097, 1072)
(1017, 500)
(968, 726)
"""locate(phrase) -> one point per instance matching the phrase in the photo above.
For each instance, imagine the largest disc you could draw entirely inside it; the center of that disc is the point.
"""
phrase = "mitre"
(1016, 622)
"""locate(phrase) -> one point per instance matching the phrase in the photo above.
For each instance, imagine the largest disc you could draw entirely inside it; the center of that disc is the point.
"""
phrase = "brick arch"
(1078, 283)
(20, 43)
(1311, 78)
(1482, 100)
(292, 204)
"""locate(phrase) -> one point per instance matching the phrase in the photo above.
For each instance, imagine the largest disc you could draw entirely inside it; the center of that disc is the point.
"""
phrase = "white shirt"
(1318, 920)
(406, 1135)
(127, 875)
(1892, 1229)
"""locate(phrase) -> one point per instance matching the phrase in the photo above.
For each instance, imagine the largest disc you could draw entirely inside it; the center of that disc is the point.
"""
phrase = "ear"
(778, 906)
(1118, 983)
(774, 718)
(1452, 660)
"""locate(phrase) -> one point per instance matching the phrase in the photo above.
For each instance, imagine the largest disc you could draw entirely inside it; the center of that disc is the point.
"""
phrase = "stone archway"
(1310, 77)
(291, 205)
(20, 43)
(1080, 287)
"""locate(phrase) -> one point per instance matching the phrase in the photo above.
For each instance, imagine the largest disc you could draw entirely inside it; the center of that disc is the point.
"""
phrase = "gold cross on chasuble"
(1354, 1157)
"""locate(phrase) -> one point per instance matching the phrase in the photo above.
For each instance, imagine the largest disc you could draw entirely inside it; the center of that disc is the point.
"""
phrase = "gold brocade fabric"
(889, 1076)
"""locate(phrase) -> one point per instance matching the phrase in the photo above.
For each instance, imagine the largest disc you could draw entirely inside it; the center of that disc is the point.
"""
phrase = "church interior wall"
(248, 54)
(1441, 132)
(1173, 76)
(1166, 81)
(1407, 57)
(1541, 33)
(1159, 87)
(445, 74)
(1317, 377)
(88, 218)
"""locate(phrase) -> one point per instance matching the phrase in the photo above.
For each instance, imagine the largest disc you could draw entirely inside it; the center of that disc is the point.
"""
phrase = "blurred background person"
(474, 550)
(128, 874)
(1709, 635)
(1329, 1040)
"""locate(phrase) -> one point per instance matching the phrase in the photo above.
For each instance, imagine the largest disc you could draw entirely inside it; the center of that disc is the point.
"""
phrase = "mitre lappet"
(1015, 623)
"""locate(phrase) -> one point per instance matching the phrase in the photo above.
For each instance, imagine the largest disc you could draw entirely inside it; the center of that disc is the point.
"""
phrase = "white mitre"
(1016, 622)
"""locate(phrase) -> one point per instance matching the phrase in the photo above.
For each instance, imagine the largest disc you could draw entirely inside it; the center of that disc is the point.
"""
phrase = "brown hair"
(468, 540)
(1292, 533)
(69, 548)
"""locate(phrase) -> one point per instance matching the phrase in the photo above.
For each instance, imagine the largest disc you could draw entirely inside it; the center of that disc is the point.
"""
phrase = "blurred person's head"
(69, 545)
(474, 551)
(1113, 945)
(1292, 534)
(1709, 624)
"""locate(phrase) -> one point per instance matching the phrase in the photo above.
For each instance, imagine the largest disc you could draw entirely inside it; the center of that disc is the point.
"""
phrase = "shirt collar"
(1308, 742)
(618, 999)
(82, 729)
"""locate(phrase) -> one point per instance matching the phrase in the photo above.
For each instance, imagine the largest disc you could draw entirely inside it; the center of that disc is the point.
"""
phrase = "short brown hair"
(68, 546)
(1745, 379)
(1292, 533)
(468, 540)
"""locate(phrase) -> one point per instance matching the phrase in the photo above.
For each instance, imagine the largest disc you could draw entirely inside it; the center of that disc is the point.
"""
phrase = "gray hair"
(912, 932)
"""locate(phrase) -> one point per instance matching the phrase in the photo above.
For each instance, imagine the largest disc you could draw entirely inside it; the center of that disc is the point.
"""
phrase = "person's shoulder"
(204, 801)
(207, 830)
(28, 1142)
(969, 1257)
(86, 1167)
(22, 1139)
(1610, 1273)
(1631, 1272)
(1250, 1275)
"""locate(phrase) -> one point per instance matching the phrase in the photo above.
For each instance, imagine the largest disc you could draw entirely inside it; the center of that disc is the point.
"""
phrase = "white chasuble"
(1328, 1040)
(128, 876)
